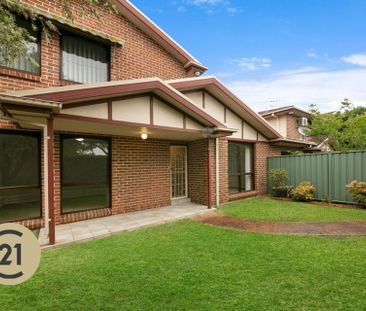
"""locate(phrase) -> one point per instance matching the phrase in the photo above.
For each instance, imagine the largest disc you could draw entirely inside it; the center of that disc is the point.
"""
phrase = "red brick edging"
(334, 228)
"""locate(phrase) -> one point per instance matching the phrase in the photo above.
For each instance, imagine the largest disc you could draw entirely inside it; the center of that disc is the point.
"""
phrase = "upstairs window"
(83, 60)
(30, 60)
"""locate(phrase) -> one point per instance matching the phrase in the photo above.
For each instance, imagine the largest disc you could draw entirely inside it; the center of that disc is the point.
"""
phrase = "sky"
(274, 53)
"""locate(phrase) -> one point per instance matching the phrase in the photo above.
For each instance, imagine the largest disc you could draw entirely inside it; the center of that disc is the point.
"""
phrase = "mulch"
(315, 202)
(335, 228)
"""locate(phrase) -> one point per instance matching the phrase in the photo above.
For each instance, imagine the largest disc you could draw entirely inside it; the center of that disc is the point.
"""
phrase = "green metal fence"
(329, 172)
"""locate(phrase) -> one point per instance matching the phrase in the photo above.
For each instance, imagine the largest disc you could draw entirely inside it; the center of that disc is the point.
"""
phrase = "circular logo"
(20, 254)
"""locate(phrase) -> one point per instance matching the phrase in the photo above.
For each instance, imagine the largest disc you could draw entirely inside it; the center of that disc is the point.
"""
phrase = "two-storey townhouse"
(116, 118)
(293, 123)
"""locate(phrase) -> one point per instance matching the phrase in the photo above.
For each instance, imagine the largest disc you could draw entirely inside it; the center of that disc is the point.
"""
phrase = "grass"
(279, 210)
(191, 266)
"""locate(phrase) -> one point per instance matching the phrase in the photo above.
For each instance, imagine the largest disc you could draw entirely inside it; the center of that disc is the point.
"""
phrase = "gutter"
(293, 141)
(30, 102)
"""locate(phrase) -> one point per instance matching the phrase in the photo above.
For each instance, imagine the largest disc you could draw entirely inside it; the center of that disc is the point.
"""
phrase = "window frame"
(39, 38)
(106, 138)
(82, 37)
(37, 135)
(240, 173)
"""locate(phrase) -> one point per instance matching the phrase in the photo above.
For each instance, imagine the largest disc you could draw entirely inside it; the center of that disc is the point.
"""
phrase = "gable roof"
(108, 90)
(145, 24)
(221, 92)
(283, 110)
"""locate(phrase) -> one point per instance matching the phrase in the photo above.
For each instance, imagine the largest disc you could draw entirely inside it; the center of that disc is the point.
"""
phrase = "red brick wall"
(140, 178)
(140, 174)
(140, 56)
(223, 170)
(262, 151)
(198, 171)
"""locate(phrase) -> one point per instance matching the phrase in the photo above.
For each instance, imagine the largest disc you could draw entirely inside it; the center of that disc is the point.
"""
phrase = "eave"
(287, 142)
(140, 20)
(220, 91)
(17, 101)
(107, 91)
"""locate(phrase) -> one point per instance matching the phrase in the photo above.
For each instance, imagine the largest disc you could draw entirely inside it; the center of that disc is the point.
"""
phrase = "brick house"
(116, 119)
(292, 122)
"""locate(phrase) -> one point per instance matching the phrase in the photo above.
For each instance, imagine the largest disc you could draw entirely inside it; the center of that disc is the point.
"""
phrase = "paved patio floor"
(105, 226)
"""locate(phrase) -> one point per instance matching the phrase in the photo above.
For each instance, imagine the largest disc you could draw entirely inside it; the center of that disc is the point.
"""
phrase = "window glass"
(31, 51)
(233, 183)
(85, 173)
(20, 191)
(233, 156)
(240, 163)
(84, 61)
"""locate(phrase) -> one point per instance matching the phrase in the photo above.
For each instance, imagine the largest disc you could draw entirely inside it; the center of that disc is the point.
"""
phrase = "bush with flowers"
(358, 191)
(303, 192)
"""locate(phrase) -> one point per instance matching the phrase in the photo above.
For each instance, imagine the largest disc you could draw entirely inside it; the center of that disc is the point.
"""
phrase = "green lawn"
(191, 266)
(278, 210)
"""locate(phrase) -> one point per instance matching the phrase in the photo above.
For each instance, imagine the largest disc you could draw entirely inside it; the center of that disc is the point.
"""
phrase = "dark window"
(31, 51)
(84, 61)
(85, 173)
(20, 190)
(240, 166)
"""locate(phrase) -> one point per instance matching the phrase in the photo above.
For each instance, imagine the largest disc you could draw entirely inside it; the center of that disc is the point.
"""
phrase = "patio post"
(209, 181)
(51, 166)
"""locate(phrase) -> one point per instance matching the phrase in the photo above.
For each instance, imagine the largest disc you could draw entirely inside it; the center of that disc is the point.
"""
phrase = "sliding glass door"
(240, 164)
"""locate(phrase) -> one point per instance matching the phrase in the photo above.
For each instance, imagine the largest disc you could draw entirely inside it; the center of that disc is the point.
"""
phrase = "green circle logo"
(20, 254)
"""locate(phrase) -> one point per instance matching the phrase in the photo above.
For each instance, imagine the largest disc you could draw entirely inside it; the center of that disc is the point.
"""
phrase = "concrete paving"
(96, 228)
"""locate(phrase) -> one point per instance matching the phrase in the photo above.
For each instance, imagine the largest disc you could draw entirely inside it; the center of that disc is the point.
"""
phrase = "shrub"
(358, 191)
(279, 182)
(303, 192)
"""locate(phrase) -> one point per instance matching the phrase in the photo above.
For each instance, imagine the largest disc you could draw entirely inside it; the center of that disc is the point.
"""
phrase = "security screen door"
(178, 168)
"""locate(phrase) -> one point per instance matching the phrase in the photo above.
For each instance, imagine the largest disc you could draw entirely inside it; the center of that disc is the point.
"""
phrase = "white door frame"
(186, 171)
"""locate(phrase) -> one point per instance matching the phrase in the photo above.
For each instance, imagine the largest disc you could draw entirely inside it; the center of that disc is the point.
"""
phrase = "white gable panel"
(249, 132)
(92, 111)
(132, 110)
(193, 125)
(233, 121)
(261, 137)
(166, 116)
(196, 97)
(214, 108)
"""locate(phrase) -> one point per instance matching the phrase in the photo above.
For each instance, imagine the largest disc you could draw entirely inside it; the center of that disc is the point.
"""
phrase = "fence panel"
(329, 172)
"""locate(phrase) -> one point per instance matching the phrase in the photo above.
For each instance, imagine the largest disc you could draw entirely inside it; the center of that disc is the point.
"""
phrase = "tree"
(13, 39)
(345, 128)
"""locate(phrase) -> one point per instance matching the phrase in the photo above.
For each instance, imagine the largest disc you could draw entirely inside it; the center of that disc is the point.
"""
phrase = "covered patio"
(114, 148)
(87, 230)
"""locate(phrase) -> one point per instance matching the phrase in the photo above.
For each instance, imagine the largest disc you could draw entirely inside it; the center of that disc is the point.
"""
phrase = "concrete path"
(336, 228)
(105, 226)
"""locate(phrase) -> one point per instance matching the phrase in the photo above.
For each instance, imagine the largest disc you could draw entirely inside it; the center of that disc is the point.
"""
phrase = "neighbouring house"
(116, 119)
(292, 123)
